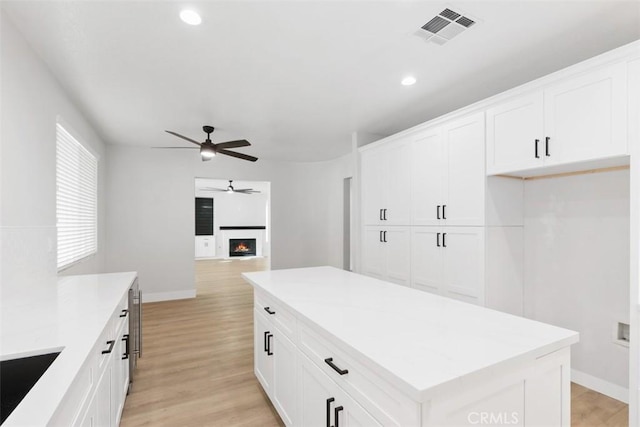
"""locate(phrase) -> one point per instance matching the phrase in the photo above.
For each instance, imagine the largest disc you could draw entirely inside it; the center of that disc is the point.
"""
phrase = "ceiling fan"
(231, 189)
(208, 149)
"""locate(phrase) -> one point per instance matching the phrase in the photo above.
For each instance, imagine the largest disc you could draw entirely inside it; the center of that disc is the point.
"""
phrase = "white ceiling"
(296, 78)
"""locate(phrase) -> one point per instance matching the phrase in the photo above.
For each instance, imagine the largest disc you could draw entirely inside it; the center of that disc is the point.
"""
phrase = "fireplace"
(242, 247)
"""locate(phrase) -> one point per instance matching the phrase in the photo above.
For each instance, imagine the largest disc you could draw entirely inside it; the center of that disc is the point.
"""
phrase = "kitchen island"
(85, 319)
(333, 347)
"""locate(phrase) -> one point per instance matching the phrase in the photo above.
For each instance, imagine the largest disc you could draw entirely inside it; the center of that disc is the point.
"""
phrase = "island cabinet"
(357, 351)
(580, 118)
(97, 396)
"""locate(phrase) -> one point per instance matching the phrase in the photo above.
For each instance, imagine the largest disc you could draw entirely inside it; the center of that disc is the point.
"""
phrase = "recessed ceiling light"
(191, 17)
(408, 81)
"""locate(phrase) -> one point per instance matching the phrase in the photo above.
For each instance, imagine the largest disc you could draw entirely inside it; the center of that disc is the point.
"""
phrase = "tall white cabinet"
(439, 247)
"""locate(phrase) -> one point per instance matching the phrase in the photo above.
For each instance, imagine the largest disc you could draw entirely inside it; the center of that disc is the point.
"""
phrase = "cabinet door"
(88, 419)
(463, 249)
(284, 378)
(397, 244)
(426, 259)
(512, 130)
(373, 168)
(586, 116)
(117, 398)
(465, 184)
(263, 361)
(320, 397)
(373, 253)
(398, 184)
(103, 399)
(427, 182)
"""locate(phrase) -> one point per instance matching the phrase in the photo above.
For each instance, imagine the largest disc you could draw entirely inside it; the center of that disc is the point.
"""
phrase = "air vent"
(448, 13)
(445, 26)
(435, 25)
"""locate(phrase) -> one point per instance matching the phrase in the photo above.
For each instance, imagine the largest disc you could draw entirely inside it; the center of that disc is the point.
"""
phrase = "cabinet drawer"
(77, 398)
(283, 319)
(381, 399)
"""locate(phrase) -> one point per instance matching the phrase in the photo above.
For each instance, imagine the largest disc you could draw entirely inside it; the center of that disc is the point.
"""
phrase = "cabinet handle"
(380, 215)
(546, 146)
(124, 313)
(329, 400)
(266, 347)
(438, 212)
(384, 236)
(268, 310)
(336, 415)
(329, 361)
(444, 242)
(125, 338)
(536, 150)
(380, 237)
(110, 349)
(444, 212)
(384, 214)
(269, 352)
(438, 239)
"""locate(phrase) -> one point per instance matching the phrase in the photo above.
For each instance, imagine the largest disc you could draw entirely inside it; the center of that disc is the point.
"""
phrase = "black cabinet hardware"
(380, 216)
(329, 400)
(125, 338)
(268, 310)
(546, 147)
(444, 213)
(269, 352)
(438, 212)
(336, 415)
(536, 148)
(266, 348)
(384, 214)
(329, 361)
(384, 236)
(124, 313)
(444, 242)
(110, 349)
(438, 239)
(380, 236)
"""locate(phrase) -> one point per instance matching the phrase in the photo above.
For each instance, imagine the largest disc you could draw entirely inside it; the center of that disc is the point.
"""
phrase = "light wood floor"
(197, 368)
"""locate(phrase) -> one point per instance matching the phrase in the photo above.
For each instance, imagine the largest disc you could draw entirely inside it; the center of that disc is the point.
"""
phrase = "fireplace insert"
(242, 247)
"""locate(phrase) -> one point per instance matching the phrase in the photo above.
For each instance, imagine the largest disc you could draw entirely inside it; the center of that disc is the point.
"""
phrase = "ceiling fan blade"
(233, 144)
(179, 148)
(183, 137)
(246, 191)
(238, 155)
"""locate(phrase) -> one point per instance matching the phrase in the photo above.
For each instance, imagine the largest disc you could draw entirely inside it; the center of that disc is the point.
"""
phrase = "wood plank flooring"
(197, 367)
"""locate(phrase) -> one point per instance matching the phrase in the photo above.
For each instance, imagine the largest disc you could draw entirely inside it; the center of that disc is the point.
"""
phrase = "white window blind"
(76, 200)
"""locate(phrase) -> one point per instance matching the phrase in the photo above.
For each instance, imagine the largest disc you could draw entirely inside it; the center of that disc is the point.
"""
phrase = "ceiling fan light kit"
(208, 149)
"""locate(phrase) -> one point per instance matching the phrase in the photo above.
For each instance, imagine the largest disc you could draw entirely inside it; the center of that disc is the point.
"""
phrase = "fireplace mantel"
(243, 227)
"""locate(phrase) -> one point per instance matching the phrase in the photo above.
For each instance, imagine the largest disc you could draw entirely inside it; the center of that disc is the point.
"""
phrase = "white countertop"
(422, 343)
(69, 318)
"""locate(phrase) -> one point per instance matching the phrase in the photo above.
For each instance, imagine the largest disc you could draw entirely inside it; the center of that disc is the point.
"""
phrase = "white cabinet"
(205, 246)
(275, 358)
(581, 118)
(324, 403)
(386, 180)
(449, 261)
(263, 360)
(385, 253)
(448, 173)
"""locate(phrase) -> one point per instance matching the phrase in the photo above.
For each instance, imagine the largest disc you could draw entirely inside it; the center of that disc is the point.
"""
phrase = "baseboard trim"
(168, 296)
(601, 386)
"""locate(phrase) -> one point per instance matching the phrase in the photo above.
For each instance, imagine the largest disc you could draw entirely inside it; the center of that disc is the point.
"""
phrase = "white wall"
(150, 212)
(577, 265)
(30, 103)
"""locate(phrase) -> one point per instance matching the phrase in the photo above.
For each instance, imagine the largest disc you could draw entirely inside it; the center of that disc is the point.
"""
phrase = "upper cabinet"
(579, 119)
(386, 180)
(448, 176)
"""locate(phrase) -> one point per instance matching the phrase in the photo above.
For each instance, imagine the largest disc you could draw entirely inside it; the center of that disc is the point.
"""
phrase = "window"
(76, 200)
